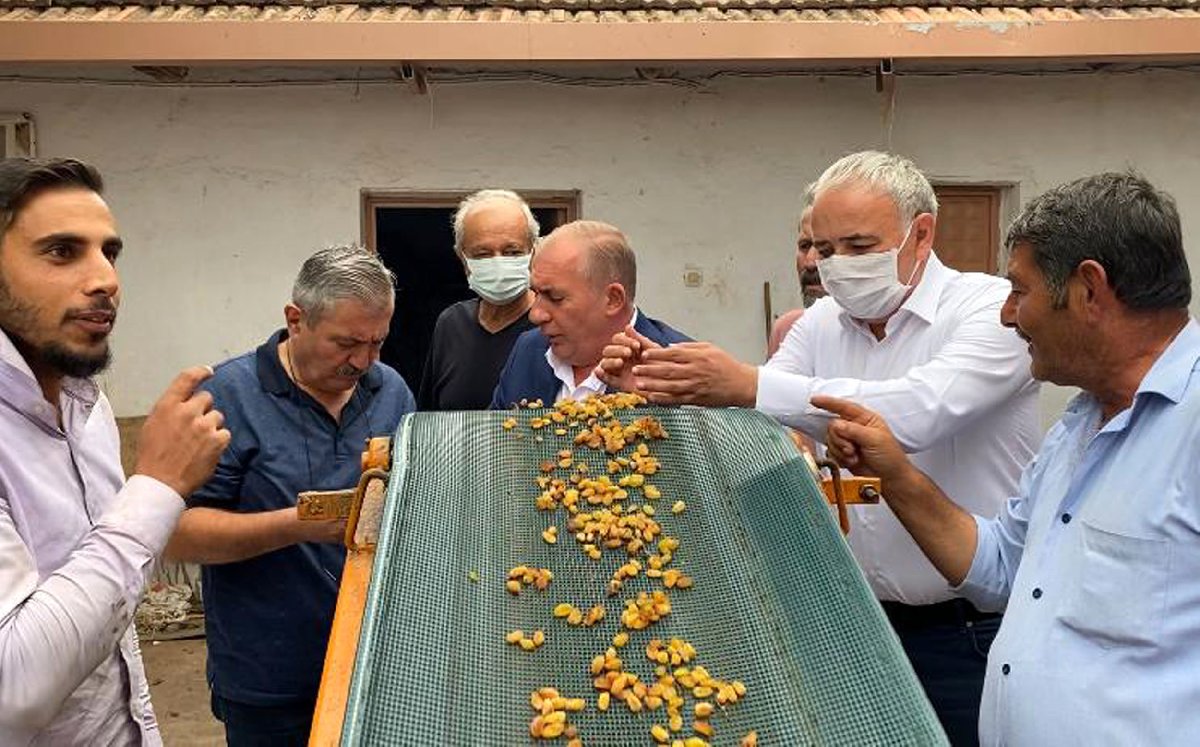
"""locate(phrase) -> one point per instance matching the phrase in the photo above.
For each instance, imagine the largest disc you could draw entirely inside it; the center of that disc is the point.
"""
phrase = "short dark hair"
(1118, 220)
(21, 179)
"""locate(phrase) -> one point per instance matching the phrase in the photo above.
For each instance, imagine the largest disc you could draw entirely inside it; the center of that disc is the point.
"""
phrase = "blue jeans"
(264, 726)
(947, 645)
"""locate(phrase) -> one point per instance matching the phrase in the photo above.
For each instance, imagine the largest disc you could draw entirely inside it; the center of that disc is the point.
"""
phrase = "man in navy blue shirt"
(584, 281)
(300, 409)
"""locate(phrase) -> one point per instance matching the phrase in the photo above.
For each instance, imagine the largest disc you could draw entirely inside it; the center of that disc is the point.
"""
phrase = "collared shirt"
(1098, 562)
(565, 373)
(267, 618)
(77, 544)
(951, 382)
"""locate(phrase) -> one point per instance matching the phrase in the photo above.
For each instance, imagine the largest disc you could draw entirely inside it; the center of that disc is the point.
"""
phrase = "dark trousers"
(264, 726)
(947, 645)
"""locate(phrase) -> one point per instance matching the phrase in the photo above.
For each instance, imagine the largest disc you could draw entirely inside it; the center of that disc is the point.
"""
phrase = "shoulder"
(658, 331)
(973, 290)
(781, 327)
(234, 373)
(531, 342)
(393, 384)
(458, 314)
(785, 322)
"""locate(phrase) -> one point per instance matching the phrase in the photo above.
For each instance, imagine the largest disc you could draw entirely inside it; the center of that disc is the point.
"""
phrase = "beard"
(73, 364)
(810, 278)
(18, 318)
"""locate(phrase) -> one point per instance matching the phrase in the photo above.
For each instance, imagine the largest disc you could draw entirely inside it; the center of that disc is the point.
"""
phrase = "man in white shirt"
(910, 338)
(76, 540)
(584, 281)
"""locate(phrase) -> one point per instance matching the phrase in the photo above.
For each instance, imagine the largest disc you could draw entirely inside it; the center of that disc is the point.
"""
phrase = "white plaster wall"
(222, 192)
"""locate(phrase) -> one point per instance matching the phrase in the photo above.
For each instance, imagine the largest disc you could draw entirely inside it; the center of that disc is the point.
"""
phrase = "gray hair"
(480, 198)
(344, 271)
(808, 196)
(889, 173)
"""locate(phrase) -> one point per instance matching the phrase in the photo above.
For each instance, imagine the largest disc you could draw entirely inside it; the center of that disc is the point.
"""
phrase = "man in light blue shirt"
(1097, 559)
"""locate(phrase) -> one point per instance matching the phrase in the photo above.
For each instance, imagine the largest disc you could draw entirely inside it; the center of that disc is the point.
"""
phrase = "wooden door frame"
(568, 200)
(1002, 211)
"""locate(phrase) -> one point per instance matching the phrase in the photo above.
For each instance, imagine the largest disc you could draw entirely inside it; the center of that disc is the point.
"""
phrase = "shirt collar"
(274, 378)
(565, 372)
(27, 392)
(1172, 371)
(1169, 377)
(923, 301)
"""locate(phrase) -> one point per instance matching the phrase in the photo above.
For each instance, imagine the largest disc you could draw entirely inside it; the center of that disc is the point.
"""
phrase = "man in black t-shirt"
(494, 234)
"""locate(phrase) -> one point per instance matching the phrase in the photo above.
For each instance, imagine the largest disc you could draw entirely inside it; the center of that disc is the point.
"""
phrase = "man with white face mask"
(908, 337)
(494, 234)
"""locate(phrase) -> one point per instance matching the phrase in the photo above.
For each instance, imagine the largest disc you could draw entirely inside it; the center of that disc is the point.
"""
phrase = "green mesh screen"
(778, 601)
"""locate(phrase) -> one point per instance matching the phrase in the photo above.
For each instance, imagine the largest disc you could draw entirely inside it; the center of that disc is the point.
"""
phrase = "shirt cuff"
(147, 510)
(785, 397)
(984, 583)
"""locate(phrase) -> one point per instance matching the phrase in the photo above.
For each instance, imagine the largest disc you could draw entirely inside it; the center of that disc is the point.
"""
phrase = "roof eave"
(166, 42)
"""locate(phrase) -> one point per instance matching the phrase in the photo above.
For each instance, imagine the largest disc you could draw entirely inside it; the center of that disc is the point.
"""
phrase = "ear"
(294, 316)
(615, 299)
(924, 227)
(1089, 288)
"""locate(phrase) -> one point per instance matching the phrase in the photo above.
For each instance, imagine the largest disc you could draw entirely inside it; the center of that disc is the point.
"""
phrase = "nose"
(101, 275)
(1008, 313)
(810, 259)
(363, 357)
(537, 313)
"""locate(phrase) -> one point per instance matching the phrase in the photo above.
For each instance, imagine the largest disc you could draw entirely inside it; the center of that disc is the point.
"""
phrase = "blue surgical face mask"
(499, 280)
(867, 286)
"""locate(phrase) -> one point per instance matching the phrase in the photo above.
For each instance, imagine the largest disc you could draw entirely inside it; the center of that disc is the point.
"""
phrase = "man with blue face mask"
(494, 234)
(908, 337)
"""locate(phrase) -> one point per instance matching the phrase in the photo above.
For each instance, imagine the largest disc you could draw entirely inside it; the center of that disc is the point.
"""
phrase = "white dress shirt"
(76, 547)
(951, 382)
(565, 373)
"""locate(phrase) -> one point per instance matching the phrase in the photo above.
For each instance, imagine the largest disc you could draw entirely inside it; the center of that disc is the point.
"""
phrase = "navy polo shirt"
(268, 618)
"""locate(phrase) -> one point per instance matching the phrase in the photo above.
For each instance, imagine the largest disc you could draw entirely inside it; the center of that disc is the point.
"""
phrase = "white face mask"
(867, 286)
(499, 280)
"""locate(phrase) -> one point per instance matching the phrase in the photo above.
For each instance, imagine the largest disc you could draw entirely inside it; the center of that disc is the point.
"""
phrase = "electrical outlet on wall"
(693, 277)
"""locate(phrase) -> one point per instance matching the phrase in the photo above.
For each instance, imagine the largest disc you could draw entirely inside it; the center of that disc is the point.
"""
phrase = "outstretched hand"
(861, 441)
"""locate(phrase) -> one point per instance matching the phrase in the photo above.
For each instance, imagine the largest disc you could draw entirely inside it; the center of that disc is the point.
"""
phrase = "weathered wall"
(222, 192)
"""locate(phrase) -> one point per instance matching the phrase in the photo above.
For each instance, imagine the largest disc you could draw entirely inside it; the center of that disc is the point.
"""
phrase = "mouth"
(94, 321)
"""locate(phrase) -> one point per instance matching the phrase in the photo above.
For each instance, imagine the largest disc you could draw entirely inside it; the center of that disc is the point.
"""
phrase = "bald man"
(584, 279)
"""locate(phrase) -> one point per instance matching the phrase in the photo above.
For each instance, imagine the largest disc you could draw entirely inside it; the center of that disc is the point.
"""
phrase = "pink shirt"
(77, 544)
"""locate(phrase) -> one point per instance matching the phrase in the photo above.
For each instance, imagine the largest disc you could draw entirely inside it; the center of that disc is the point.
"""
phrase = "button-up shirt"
(267, 618)
(951, 382)
(565, 373)
(76, 547)
(1098, 561)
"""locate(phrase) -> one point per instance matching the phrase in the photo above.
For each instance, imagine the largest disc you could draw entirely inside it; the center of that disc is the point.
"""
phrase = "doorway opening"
(413, 233)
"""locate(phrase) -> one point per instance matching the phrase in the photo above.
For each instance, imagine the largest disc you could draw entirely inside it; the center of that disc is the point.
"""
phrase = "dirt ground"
(179, 693)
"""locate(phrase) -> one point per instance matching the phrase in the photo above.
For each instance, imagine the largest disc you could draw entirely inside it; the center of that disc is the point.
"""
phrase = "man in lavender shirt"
(76, 540)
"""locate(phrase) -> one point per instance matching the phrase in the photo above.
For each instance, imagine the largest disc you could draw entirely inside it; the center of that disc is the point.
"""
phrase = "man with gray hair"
(494, 234)
(299, 409)
(920, 343)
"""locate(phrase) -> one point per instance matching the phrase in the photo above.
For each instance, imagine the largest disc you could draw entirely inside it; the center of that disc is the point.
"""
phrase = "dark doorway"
(413, 234)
